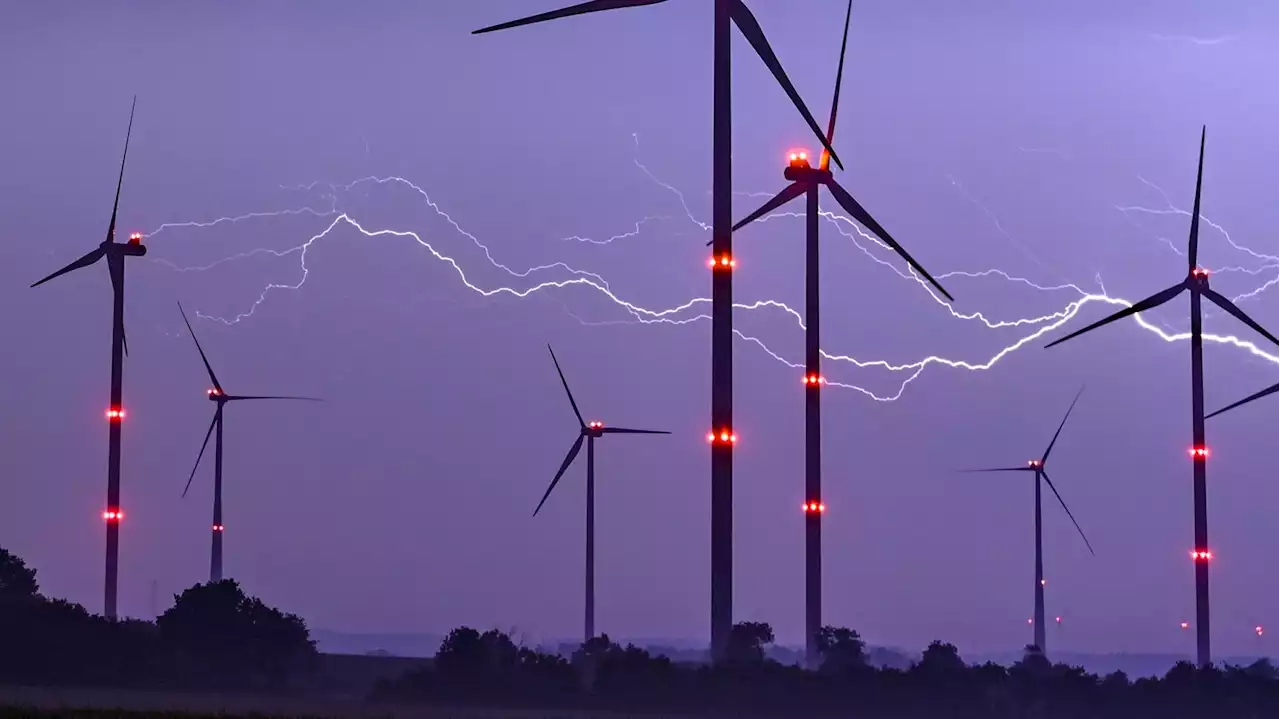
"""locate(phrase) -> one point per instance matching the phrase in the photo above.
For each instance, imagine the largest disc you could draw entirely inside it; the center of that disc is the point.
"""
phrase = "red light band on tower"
(723, 262)
(1198, 452)
(115, 414)
(1201, 555)
(113, 515)
(814, 507)
(217, 527)
(724, 436)
(814, 379)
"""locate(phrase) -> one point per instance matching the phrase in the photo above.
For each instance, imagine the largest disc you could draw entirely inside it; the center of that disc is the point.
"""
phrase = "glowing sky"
(1038, 142)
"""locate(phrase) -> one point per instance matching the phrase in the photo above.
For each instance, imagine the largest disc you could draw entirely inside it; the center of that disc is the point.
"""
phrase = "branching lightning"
(695, 309)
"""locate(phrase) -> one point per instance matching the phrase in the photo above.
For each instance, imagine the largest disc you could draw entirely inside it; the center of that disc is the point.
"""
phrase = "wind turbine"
(1036, 466)
(219, 397)
(1197, 284)
(588, 432)
(806, 180)
(115, 253)
(721, 437)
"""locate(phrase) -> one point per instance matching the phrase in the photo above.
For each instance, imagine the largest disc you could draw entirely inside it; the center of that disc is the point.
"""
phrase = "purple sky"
(994, 137)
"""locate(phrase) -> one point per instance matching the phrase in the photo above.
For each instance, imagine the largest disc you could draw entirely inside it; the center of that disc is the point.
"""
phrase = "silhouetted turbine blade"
(789, 193)
(864, 218)
(1153, 301)
(835, 99)
(111, 229)
(998, 469)
(1238, 313)
(581, 422)
(1193, 245)
(217, 417)
(1049, 449)
(236, 398)
(750, 29)
(212, 377)
(115, 266)
(1068, 511)
(84, 261)
(624, 430)
(579, 9)
(568, 460)
(1258, 395)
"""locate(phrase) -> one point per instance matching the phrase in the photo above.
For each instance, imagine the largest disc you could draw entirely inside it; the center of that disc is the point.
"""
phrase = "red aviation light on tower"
(814, 507)
(1035, 463)
(814, 379)
(135, 238)
(217, 527)
(1184, 625)
(115, 414)
(798, 158)
(113, 515)
(1199, 272)
(1258, 630)
(1201, 555)
(723, 262)
(1058, 619)
(1198, 452)
(214, 392)
(595, 424)
(724, 436)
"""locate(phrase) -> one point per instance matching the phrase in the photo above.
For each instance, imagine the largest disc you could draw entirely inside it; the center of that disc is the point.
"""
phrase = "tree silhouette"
(747, 641)
(232, 639)
(841, 649)
(17, 580)
(939, 659)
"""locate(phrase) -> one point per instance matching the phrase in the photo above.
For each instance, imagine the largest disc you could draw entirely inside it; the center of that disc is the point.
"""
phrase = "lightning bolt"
(694, 310)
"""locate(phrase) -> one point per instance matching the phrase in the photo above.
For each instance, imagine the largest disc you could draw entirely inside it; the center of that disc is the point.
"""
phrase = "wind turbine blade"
(1068, 511)
(1238, 313)
(1257, 395)
(998, 469)
(236, 398)
(84, 261)
(1151, 302)
(624, 430)
(579, 9)
(1193, 245)
(864, 218)
(568, 460)
(115, 266)
(835, 99)
(212, 377)
(217, 417)
(750, 29)
(581, 422)
(789, 193)
(1049, 449)
(111, 229)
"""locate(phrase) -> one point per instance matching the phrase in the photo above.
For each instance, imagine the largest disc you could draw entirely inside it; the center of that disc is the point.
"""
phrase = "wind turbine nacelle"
(134, 247)
(804, 173)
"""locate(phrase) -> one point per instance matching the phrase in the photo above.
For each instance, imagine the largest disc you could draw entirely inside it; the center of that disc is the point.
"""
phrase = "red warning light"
(135, 238)
(1199, 272)
(115, 414)
(1258, 630)
(217, 527)
(721, 262)
(1034, 463)
(1058, 619)
(1201, 555)
(814, 379)
(796, 157)
(814, 507)
(595, 425)
(1184, 625)
(1043, 582)
(113, 515)
(1030, 621)
(1198, 452)
(214, 392)
(724, 436)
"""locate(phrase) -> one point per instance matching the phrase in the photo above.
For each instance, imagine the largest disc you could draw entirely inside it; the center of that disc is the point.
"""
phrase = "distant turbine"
(1197, 284)
(721, 434)
(805, 181)
(115, 254)
(1037, 466)
(589, 431)
(219, 397)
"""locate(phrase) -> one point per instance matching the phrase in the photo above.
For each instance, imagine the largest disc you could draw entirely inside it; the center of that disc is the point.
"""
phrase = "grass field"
(41, 702)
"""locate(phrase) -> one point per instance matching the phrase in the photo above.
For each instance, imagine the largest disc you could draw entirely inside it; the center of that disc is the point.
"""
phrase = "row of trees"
(489, 668)
(213, 637)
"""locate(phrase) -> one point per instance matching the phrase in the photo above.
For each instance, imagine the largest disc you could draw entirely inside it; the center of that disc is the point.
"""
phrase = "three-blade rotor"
(1196, 280)
(1257, 395)
(220, 395)
(842, 196)
(585, 431)
(740, 16)
(1039, 468)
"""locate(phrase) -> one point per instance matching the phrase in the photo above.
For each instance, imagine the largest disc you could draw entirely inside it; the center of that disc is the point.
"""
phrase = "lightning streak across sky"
(694, 310)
